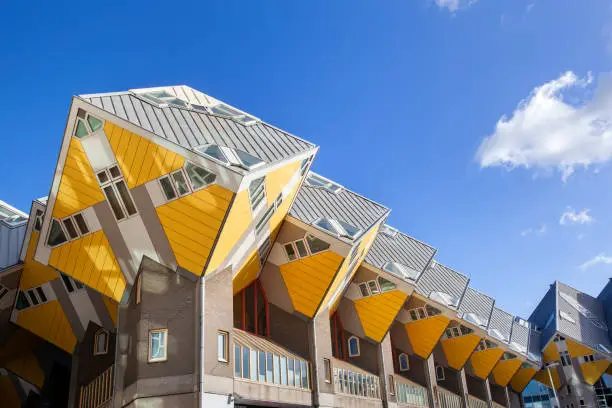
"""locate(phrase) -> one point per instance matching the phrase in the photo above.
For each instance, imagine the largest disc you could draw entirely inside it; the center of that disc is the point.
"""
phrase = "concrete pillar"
(319, 331)
(508, 400)
(385, 371)
(487, 388)
(432, 383)
(462, 381)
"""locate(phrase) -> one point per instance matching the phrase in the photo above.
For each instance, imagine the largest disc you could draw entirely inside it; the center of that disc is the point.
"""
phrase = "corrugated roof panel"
(476, 304)
(13, 224)
(500, 326)
(519, 340)
(313, 203)
(401, 249)
(446, 285)
(190, 128)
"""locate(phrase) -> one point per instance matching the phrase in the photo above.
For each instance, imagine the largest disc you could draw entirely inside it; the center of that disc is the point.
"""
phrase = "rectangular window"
(291, 256)
(566, 360)
(167, 188)
(301, 247)
(81, 224)
(67, 283)
(41, 294)
(269, 376)
(373, 287)
(257, 193)
(262, 366)
(180, 183)
(103, 177)
(253, 370)
(391, 384)
(70, 228)
(111, 196)
(276, 369)
(223, 346)
(298, 374)
(290, 372)
(158, 345)
(114, 172)
(304, 374)
(124, 193)
(245, 362)
(327, 368)
(237, 359)
(439, 373)
(22, 301)
(283, 371)
(363, 287)
(264, 220)
(33, 297)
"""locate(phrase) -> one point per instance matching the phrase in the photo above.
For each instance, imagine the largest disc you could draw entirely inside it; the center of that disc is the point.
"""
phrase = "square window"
(180, 183)
(114, 172)
(364, 289)
(301, 247)
(126, 198)
(101, 342)
(422, 314)
(167, 188)
(290, 252)
(413, 315)
(223, 346)
(158, 345)
(373, 287)
(103, 177)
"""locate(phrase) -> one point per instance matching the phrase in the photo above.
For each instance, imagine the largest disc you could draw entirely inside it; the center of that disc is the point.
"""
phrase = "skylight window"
(518, 347)
(231, 157)
(227, 111)
(388, 231)
(164, 98)
(444, 298)
(338, 228)
(566, 316)
(497, 334)
(314, 180)
(474, 318)
(590, 316)
(401, 270)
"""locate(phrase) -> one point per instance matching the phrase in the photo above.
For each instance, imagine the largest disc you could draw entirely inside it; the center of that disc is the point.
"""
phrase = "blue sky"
(400, 98)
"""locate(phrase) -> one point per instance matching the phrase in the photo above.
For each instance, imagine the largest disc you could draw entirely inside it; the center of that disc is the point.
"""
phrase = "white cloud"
(454, 5)
(570, 216)
(535, 231)
(547, 132)
(599, 259)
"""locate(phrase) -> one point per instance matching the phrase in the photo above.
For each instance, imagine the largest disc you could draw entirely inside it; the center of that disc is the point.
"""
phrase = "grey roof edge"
(417, 240)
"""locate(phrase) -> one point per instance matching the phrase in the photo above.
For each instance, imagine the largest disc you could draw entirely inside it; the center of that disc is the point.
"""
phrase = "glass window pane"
(33, 298)
(413, 315)
(167, 188)
(249, 161)
(298, 374)
(245, 362)
(114, 202)
(326, 225)
(422, 314)
(70, 228)
(56, 234)
(213, 151)
(94, 123)
(364, 289)
(373, 287)
(385, 285)
(237, 359)
(180, 183)
(283, 370)
(114, 172)
(269, 377)
(222, 346)
(301, 247)
(198, 176)
(315, 244)
(41, 294)
(276, 369)
(290, 372)
(126, 197)
(158, 345)
(290, 252)
(80, 221)
(262, 366)
(80, 130)
(253, 370)
(102, 177)
(304, 375)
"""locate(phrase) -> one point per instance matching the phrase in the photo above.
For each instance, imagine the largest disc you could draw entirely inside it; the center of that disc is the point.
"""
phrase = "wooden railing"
(352, 380)
(474, 402)
(448, 399)
(497, 405)
(99, 392)
(409, 393)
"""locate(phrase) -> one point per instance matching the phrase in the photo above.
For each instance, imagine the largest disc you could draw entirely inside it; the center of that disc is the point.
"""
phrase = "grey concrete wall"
(385, 370)
(368, 354)
(498, 393)
(264, 394)
(418, 370)
(319, 333)
(289, 331)
(451, 381)
(476, 387)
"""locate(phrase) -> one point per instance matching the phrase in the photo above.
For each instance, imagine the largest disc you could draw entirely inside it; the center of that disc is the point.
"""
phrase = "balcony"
(410, 394)
(354, 381)
(474, 402)
(497, 405)
(448, 399)
(99, 392)
(265, 371)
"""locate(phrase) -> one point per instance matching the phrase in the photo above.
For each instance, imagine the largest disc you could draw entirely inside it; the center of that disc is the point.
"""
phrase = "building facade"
(186, 256)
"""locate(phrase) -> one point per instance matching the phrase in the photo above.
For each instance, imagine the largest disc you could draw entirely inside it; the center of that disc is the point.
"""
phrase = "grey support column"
(507, 397)
(463, 387)
(386, 372)
(319, 331)
(432, 383)
(487, 388)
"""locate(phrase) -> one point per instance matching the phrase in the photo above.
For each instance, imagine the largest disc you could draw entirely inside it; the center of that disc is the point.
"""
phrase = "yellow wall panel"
(140, 159)
(344, 275)
(307, 279)
(8, 393)
(521, 378)
(377, 312)
(79, 186)
(576, 349)
(238, 220)
(17, 355)
(247, 273)
(192, 223)
(458, 349)
(35, 273)
(543, 378)
(281, 212)
(505, 370)
(91, 260)
(550, 353)
(277, 179)
(424, 334)
(593, 370)
(483, 361)
(112, 307)
(49, 322)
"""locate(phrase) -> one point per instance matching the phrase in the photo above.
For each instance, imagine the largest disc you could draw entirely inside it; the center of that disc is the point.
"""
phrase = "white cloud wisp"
(599, 259)
(547, 132)
(570, 216)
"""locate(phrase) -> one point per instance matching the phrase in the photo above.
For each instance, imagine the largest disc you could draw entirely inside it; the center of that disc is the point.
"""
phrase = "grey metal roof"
(500, 325)
(477, 303)
(519, 339)
(13, 225)
(312, 203)
(589, 320)
(402, 249)
(189, 128)
(440, 278)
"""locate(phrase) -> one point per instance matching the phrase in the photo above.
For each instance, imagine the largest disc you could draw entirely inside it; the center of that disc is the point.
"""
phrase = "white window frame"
(328, 185)
(28, 297)
(226, 346)
(96, 339)
(293, 244)
(565, 357)
(75, 284)
(416, 310)
(90, 131)
(566, 316)
(112, 182)
(389, 231)
(440, 373)
(406, 359)
(351, 354)
(165, 345)
(260, 193)
(3, 291)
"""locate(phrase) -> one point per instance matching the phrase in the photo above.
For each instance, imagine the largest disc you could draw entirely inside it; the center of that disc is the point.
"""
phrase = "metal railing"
(352, 380)
(474, 402)
(99, 392)
(409, 393)
(448, 399)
